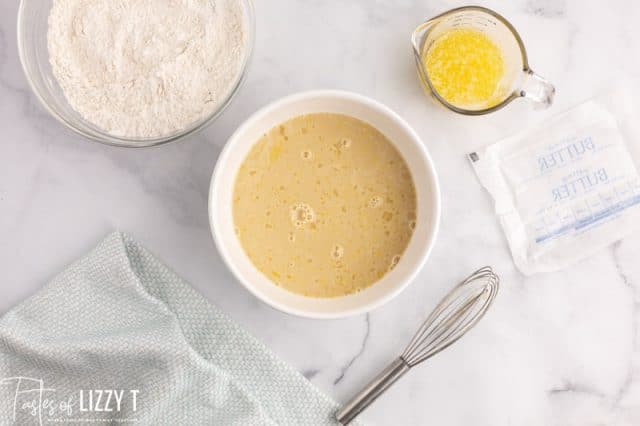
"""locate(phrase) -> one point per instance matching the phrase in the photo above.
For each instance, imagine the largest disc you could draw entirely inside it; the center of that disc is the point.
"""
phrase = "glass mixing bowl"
(32, 47)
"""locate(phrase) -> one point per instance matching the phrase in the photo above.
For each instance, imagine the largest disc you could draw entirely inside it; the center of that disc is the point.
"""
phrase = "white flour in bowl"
(146, 68)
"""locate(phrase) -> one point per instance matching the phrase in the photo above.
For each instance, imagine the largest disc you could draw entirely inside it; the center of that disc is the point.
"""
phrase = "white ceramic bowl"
(406, 141)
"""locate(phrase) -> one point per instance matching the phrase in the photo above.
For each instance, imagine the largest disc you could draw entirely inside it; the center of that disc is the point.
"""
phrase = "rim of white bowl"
(419, 263)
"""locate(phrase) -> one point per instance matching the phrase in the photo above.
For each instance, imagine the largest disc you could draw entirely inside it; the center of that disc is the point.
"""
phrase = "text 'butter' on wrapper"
(569, 187)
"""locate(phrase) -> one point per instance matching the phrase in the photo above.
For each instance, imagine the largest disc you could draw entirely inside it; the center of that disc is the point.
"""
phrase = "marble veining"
(363, 346)
(556, 349)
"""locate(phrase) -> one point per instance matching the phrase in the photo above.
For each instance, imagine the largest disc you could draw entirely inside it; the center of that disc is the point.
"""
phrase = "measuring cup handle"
(537, 89)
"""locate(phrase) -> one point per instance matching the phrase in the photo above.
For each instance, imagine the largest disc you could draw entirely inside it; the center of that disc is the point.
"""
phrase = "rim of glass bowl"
(108, 139)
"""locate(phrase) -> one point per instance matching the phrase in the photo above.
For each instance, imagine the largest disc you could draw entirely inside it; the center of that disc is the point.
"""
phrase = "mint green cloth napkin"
(118, 325)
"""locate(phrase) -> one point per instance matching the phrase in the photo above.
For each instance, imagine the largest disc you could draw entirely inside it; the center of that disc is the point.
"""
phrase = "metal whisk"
(458, 312)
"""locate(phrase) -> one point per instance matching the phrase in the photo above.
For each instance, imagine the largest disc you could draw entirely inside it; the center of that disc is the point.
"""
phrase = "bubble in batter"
(306, 155)
(394, 261)
(337, 251)
(376, 201)
(341, 145)
(301, 214)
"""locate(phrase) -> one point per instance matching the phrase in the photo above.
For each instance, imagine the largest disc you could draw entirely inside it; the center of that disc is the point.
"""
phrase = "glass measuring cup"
(518, 79)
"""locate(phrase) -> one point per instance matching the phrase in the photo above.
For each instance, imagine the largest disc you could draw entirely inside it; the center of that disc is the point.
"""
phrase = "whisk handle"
(372, 391)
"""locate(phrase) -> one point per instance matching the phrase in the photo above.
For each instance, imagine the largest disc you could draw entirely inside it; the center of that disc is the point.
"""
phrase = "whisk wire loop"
(460, 310)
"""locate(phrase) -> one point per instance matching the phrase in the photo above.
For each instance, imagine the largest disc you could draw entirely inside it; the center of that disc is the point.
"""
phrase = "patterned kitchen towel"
(119, 338)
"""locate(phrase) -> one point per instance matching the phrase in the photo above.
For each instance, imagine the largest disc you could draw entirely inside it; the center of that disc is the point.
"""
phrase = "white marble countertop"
(556, 349)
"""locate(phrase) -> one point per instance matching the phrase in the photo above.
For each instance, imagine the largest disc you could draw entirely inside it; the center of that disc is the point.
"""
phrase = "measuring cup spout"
(537, 89)
(419, 35)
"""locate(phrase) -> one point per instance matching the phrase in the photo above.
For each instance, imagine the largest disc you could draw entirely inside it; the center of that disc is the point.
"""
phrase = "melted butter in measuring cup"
(465, 68)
